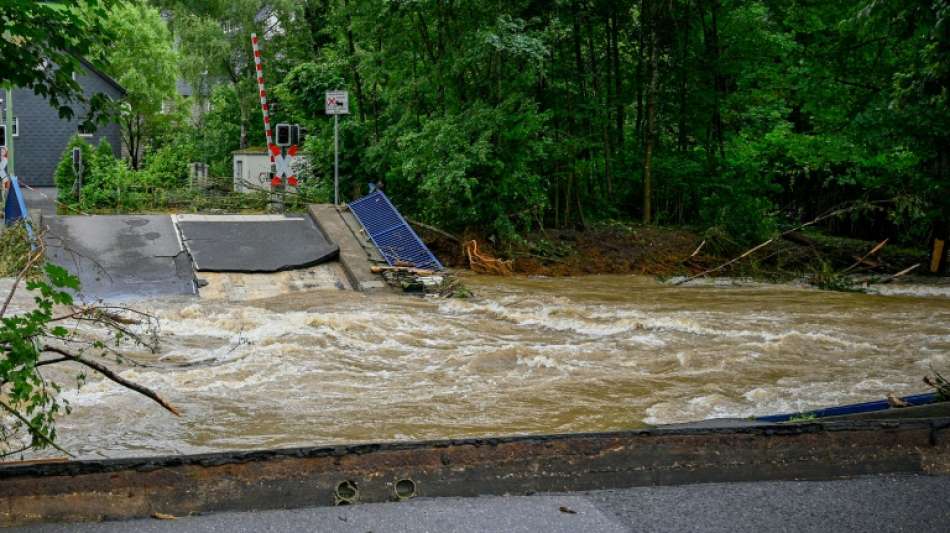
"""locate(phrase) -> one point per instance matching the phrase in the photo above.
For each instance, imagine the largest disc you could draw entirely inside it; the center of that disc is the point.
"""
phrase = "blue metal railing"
(865, 407)
(390, 232)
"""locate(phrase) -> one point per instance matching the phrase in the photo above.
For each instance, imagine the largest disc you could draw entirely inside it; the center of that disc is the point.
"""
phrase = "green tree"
(141, 58)
(741, 114)
(41, 44)
(65, 176)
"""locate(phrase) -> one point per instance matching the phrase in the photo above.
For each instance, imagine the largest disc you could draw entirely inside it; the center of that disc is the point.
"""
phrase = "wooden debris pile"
(423, 281)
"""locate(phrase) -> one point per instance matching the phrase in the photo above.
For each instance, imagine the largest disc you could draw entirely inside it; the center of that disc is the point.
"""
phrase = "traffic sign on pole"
(338, 103)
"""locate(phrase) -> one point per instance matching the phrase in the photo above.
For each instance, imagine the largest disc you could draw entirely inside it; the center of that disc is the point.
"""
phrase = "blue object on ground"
(866, 407)
(390, 233)
(14, 210)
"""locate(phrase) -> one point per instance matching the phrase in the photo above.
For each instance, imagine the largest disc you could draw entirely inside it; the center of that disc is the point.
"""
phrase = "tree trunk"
(618, 80)
(351, 45)
(650, 140)
(684, 78)
(718, 82)
(638, 126)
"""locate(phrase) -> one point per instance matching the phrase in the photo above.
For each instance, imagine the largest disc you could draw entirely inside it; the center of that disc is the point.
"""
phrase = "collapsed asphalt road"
(117, 256)
(881, 503)
(141, 256)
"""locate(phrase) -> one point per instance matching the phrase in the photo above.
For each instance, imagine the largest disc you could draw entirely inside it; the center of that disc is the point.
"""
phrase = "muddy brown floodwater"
(526, 356)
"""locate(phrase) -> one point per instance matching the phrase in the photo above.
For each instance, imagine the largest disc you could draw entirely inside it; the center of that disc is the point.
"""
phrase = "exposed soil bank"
(673, 251)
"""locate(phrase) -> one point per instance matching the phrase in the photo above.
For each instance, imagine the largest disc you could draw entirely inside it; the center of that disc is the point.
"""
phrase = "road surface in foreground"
(878, 504)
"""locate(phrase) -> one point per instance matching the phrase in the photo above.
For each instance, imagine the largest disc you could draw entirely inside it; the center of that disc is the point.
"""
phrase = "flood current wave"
(524, 356)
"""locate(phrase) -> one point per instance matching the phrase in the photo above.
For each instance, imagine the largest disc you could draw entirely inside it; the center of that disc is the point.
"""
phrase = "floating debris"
(423, 281)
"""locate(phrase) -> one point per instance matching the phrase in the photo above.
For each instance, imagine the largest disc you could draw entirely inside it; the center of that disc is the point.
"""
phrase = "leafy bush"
(65, 177)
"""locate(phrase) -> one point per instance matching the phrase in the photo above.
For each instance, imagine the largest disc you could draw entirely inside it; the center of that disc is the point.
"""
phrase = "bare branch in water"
(108, 373)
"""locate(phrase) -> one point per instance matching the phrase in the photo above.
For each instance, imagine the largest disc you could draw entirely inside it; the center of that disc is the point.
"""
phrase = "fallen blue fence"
(14, 209)
(390, 232)
(851, 409)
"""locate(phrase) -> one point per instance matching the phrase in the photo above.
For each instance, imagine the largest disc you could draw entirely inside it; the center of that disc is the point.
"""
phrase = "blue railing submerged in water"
(854, 408)
(390, 232)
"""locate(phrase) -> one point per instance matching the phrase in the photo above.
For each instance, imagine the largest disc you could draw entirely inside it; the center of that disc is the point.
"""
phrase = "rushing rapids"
(524, 356)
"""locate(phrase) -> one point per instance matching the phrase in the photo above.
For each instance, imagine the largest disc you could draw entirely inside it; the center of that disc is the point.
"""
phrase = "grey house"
(40, 136)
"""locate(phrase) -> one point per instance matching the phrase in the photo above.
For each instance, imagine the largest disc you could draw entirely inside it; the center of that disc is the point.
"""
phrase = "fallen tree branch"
(892, 277)
(864, 257)
(750, 251)
(33, 431)
(411, 270)
(108, 373)
(30, 263)
(698, 248)
(434, 229)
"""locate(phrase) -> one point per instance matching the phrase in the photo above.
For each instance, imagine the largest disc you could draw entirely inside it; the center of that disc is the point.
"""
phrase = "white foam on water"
(520, 358)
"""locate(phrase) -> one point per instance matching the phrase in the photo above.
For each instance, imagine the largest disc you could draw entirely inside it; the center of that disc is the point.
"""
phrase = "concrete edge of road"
(362, 473)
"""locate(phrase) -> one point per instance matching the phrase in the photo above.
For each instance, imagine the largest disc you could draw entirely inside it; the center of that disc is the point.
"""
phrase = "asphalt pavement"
(121, 256)
(40, 198)
(879, 504)
(254, 243)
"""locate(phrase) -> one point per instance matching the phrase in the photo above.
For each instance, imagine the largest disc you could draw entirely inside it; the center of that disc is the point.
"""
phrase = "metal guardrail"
(850, 409)
(390, 232)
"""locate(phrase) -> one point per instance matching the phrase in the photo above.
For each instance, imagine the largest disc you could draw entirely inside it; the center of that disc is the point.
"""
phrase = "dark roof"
(251, 150)
(108, 79)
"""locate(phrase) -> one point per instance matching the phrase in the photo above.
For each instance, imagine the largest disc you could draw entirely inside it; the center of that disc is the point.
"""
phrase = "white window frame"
(80, 133)
(16, 126)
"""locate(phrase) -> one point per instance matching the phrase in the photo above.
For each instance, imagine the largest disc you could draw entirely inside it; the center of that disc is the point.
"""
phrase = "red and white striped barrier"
(276, 180)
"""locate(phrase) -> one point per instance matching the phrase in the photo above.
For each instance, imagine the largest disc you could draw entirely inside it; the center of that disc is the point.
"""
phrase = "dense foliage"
(141, 58)
(505, 116)
(41, 44)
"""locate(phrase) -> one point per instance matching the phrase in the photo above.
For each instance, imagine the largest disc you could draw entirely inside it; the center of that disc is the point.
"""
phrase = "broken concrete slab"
(120, 256)
(258, 243)
(240, 286)
(355, 257)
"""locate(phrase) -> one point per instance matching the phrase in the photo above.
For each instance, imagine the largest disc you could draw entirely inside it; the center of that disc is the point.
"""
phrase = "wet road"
(879, 504)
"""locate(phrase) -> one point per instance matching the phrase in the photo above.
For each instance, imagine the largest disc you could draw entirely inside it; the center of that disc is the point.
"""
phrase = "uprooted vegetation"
(809, 254)
(15, 249)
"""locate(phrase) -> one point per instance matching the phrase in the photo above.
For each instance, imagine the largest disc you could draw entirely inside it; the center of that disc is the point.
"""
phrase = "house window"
(3, 130)
(86, 130)
(239, 169)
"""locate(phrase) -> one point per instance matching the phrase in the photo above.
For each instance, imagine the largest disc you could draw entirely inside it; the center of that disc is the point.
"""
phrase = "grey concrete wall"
(43, 135)
(306, 477)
